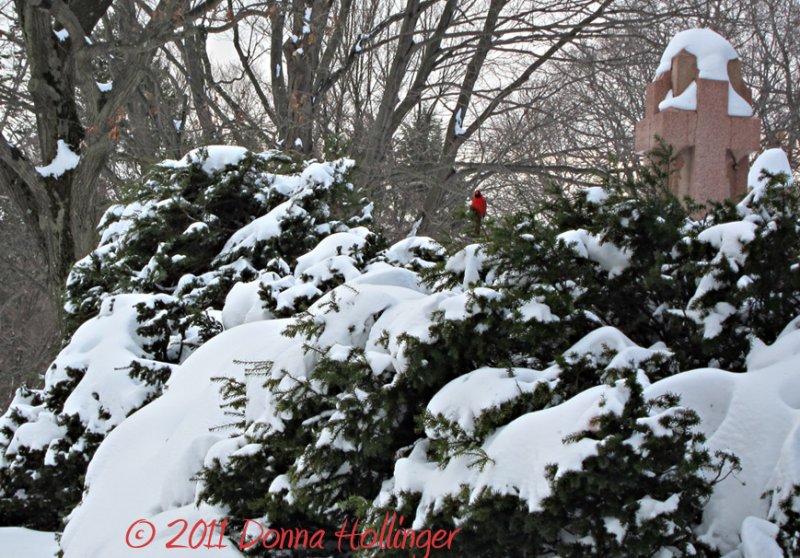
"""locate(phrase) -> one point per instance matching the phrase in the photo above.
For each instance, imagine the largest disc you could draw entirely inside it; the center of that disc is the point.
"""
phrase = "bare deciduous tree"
(76, 115)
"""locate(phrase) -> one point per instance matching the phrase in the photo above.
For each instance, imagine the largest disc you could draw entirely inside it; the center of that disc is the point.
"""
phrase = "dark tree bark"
(193, 48)
(60, 210)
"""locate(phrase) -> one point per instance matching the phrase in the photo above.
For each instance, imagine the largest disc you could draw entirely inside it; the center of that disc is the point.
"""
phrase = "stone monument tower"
(700, 106)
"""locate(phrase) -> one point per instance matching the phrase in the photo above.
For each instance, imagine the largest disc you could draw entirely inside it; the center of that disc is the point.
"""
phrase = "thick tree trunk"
(60, 207)
(301, 52)
(52, 88)
(300, 129)
(193, 58)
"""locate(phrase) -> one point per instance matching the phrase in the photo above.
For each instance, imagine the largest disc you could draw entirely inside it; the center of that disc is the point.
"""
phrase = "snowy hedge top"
(213, 158)
(772, 161)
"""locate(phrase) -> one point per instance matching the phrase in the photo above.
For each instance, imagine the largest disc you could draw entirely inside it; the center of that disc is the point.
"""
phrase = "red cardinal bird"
(478, 206)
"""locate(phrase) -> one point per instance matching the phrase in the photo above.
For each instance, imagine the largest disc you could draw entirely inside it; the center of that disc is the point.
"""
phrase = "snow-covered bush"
(414, 396)
(632, 256)
(49, 435)
(527, 390)
(192, 229)
(632, 482)
(220, 215)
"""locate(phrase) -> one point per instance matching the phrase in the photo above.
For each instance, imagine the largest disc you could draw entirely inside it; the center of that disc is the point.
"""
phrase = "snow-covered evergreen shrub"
(198, 225)
(533, 315)
(50, 435)
(639, 491)
(192, 229)
(746, 261)
(57, 485)
(503, 388)
(335, 420)
(637, 260)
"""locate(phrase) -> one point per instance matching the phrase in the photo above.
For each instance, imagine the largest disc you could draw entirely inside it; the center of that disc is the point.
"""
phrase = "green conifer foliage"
(166, 242)
(626, 256)
(642, 490)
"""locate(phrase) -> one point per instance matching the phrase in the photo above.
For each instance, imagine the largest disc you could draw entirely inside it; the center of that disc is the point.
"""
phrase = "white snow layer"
(518, 455)
(606, 254)
(468, 261)
(243, 305)
(337, 244)
(773, 161)
(149, 461)
(145, 468)
(755, 415)
(737, 105)
(264, 228)
(214, 157)
(730, 238)
(713, 53)
(758, 539)
(712, 50)
(685, 101)
(65, 160)
(596, 194)
(411, 251)
(18, 542)
(466, 397)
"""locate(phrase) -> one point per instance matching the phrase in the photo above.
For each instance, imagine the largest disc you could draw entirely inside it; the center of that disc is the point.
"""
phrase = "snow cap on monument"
(699, 104)
(712, 51)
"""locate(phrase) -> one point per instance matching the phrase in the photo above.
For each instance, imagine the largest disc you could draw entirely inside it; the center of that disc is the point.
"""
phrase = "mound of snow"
(19, 542)
(145, 468)
(755, 415)
(466, 397)
(413, 250)
(758, 539)
(243, 304)
(712, 50)
(213, 157)
(774, 161)
(586, 245)
(730, 238)
(336, 245)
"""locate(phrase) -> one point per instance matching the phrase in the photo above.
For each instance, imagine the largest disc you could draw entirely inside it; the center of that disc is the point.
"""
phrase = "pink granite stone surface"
(712, 147)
